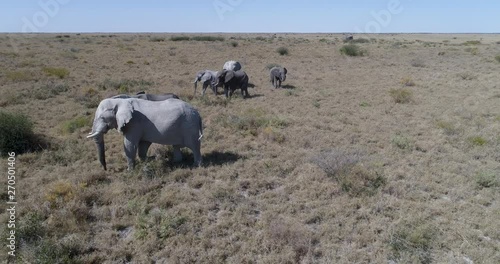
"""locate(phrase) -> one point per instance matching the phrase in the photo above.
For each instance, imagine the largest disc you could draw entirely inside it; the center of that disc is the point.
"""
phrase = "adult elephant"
(207, 78)
(277, 75)
(232, 66)
(142, 122)
(145, 96)
(233, 80)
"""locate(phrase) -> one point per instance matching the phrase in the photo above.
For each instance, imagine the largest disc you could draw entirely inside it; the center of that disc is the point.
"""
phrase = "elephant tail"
(201, 130)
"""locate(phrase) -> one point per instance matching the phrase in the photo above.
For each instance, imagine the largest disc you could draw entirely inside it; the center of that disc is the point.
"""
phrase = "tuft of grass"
(130, 62)
(60, 193)
(402, 142)
(401, 95)
(497, 58)
(471, 42)
(90, 98)
(58, 72)
(448, 127)
(417, 63)
(31, 227)
(413, 241)
(16, 133)
(357, 40)
(477, 141)
(487, 179)
(346, 168)
(252, 122)
(352, 50)
(272, 134)
(125, 85)
(19, 76)
(467, 76)
(472, 50)
(71, 126)
(234, 44)
(282, 51)
(207, 38)
(179, 38)
(407, 81)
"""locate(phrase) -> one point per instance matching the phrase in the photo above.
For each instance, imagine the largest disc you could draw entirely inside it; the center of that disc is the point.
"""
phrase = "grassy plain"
(391, 156)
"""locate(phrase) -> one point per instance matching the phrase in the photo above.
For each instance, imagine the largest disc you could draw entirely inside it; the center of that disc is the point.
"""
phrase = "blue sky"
(362, 16)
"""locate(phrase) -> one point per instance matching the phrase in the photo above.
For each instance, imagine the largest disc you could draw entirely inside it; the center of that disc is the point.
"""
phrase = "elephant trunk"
(98, 135)
(195, 85)
(99, 141)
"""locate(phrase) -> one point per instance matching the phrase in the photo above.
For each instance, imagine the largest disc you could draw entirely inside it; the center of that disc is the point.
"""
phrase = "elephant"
(206, 77)
(233, 80)
(142, 122)
(149, 97)
(277, 75)
(232, 66)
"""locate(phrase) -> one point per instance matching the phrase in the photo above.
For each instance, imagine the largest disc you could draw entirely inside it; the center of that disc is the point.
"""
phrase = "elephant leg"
(214, 88)
(205, 85)
(177, 153)
(130, 151)
(226, 91)
(279, 83)
(143, 149)
(197, 154)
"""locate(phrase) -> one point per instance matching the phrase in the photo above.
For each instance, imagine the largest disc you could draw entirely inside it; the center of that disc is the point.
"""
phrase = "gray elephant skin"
(206, 77)
(232, 66)
(277, 76)
(145, 96)
(142, 122)
(233, 80)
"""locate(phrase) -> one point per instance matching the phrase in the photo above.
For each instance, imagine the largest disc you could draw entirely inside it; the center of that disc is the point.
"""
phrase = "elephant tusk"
(93, 135)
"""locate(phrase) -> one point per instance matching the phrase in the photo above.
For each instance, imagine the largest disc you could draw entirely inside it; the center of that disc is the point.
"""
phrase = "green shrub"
(401, 95)
(352, 50)
(471, 42)
(71, 126)
(402, 142)
(358, 40)
(413, 241)
(497, 58)
(234, 44)
(58, 72)
(207, 38)
(31, 227)
(125, 85)
(16, 133)
(477, 141)
(282, 51)
(179, 38)
(488, 179)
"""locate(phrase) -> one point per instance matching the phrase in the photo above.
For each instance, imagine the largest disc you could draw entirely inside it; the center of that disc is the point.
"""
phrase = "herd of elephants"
(164, 119)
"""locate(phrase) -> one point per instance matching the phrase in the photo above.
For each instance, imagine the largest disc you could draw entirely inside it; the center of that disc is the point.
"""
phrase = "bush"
(282, 51)
(234, 44)
(407, 81)
(487, 180)
(179, 38)
(352, 50)
(477, 141)
(16, 133)
(497, 58)
(48, 91)
(59, 72)
(207, 38)
(358, 40)
(401, 95)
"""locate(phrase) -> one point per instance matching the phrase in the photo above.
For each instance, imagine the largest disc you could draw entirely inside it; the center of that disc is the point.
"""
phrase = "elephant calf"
(277, 75)
(233, 80)
(142, 122)
(207, 78)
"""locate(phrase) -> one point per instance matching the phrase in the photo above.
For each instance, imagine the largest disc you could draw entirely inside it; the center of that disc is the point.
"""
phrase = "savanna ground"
(389, 157)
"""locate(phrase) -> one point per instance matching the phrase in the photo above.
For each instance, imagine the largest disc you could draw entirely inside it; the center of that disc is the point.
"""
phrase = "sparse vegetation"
(71, 126)
(159, 39)
(125, 85)
(407, 81)
(61, 73)
(477, 141)
(47, 91)
(417, 63)
(488, 179)
(234, 44)
(467, 76)
(401, 95)
(413, 242)
(352, 50)
(497, 58)
(20, 76)
(402, 142)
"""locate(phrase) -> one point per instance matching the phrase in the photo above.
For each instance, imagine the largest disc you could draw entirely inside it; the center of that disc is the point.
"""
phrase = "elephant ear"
(124, 110)
(229, 75)
(285, 70)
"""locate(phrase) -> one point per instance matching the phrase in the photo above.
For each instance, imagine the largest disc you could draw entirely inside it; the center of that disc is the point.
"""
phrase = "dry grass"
(321, 171)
